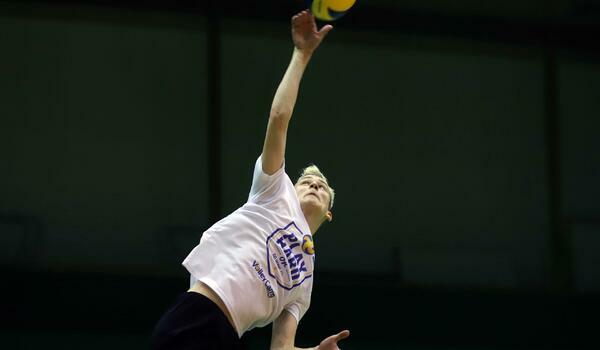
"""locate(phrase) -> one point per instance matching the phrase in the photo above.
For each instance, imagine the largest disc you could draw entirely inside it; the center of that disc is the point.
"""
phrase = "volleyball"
(329, 10)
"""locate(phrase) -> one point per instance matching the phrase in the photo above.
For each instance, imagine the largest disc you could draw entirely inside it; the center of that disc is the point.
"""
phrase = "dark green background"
(465, 164)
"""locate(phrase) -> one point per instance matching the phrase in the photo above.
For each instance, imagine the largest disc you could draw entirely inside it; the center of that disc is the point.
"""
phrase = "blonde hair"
(314, 170)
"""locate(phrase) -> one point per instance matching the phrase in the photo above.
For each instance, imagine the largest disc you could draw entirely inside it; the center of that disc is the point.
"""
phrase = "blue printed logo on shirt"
(286, 259)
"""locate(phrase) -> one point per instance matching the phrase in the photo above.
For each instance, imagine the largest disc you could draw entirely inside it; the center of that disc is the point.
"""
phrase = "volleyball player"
(255, 266)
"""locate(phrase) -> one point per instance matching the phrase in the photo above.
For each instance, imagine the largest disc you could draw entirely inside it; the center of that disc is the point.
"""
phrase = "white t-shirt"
(259, 259)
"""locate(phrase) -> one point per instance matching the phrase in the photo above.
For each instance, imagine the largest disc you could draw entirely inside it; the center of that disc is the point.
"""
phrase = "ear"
(329, 216)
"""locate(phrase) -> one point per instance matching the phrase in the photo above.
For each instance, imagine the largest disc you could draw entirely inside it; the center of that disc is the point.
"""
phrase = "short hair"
(314, 170)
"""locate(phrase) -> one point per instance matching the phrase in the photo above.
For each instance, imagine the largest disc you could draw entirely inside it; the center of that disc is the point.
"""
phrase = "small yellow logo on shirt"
(308, 246)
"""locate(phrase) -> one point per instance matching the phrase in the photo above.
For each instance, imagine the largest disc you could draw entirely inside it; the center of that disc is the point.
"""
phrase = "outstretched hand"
(330, 343)
(305, 35)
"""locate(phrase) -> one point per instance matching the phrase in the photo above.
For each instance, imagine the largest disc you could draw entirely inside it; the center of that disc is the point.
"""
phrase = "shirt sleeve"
(299, 307)
(264, 186)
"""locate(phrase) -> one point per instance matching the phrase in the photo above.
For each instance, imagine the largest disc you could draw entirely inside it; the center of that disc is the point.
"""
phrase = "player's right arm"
(284, 334)
(306, 39)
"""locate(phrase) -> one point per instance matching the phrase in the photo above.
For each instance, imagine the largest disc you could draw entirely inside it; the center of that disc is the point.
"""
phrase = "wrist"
(303, 54)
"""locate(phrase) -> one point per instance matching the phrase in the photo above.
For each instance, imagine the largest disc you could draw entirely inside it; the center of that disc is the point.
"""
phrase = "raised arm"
(306, 38)
(284, 333)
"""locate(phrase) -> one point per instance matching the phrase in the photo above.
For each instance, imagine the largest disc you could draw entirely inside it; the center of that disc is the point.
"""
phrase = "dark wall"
(579, 105)
(103, 139)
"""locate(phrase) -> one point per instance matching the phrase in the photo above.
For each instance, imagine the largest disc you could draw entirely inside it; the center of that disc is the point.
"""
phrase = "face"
(313, 194)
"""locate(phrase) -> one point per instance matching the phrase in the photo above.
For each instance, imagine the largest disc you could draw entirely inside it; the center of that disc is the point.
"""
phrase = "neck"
(313, 219)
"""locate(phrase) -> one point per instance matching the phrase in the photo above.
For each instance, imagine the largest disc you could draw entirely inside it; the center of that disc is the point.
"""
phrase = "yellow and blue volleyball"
(329, 10)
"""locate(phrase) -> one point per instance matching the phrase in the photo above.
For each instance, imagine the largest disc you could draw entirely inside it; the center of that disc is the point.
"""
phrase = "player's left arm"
(284, 334)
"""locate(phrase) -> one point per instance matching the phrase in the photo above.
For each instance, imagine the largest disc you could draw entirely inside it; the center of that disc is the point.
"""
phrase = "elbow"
(280, 115)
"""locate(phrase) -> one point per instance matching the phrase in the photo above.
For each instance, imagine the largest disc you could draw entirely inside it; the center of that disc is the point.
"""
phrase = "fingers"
(326, 29)
(342, 335)
(303, 16)
(307, 17)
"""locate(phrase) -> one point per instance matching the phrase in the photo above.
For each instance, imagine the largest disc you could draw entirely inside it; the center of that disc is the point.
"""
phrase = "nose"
(314, 184)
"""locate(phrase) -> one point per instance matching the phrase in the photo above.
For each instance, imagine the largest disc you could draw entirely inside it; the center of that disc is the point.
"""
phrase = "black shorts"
(194, 322)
